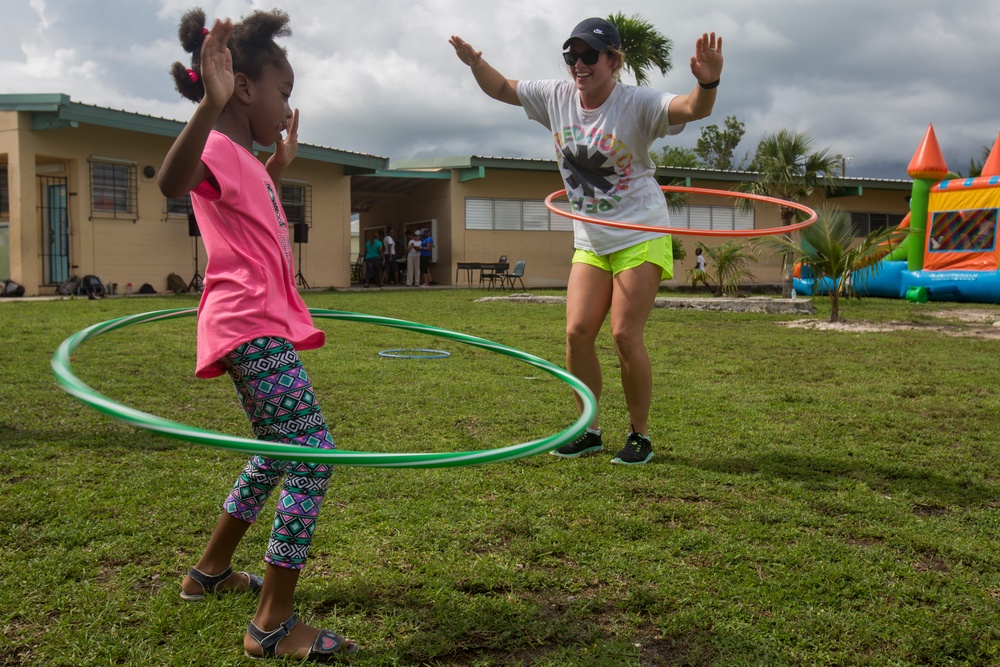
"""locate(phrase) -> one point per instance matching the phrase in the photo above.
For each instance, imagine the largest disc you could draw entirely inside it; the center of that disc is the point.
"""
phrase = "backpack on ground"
(10, 288)
(69, 286)
(147, 289)
(176, 284)
(91, 287)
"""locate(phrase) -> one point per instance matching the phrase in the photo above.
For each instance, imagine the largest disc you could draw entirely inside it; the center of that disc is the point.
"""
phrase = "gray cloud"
(863, 78)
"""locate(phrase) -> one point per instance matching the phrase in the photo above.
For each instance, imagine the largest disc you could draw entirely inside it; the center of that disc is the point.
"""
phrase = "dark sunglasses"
(589, 57)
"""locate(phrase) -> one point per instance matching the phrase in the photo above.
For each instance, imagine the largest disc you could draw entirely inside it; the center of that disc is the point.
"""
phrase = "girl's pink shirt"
(249, 278)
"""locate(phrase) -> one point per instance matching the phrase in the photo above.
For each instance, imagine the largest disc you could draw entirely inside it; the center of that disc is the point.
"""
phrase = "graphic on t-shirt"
(279, 218)
(596, 167)
(587, 173)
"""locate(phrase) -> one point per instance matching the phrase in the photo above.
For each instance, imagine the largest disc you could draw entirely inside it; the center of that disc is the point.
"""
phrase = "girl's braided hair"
(252, 46)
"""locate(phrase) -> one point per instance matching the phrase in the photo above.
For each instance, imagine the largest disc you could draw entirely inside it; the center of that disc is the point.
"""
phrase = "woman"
(603, 130)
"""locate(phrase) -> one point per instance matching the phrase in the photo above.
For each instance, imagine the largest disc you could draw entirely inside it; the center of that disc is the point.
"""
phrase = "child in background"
(251, 320)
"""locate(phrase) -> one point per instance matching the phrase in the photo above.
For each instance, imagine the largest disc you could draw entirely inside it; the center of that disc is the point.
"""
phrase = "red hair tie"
(204, 31)
(192, 75)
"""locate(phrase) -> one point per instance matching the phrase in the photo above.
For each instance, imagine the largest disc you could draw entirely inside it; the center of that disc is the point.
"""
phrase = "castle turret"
(926, 168)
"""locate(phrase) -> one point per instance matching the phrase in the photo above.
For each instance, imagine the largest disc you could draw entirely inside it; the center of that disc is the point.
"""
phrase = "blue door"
(55, 218)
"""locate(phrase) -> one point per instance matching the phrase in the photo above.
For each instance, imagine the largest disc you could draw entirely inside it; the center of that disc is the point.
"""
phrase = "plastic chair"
(493, 275)
(515, 275)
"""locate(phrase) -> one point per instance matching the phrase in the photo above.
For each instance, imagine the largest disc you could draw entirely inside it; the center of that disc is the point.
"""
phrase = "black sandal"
(210, 582)
(326, 647)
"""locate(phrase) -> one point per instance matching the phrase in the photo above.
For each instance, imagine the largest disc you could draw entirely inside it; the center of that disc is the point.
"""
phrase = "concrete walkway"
(752, 304)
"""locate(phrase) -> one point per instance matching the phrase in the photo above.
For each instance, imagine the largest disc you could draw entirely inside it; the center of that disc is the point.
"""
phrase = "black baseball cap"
(598, 33)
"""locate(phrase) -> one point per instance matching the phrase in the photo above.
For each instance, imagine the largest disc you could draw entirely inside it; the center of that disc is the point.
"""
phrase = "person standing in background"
(413, 260)
(426, 251)
(391, 265)
(373, 260)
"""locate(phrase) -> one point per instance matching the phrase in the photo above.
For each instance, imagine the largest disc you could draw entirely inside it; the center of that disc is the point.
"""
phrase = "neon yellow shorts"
(658, 251)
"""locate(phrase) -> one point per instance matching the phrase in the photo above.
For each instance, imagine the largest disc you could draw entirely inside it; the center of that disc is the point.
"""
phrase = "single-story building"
(481, 208)
(78, 196)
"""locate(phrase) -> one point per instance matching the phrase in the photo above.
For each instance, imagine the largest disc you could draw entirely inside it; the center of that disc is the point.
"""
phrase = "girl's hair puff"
(251, 45)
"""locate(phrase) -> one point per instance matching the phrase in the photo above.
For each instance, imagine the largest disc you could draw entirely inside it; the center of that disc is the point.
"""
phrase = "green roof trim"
(844, 191)
(466, 165)
(472, 174)
(429, 175)
(51, 111)
(475, 162)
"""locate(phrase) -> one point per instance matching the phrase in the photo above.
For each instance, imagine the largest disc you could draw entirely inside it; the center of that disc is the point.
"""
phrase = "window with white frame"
(712, 218)
(113, 189)
(515, 215)
(866, 223)
(531, 215)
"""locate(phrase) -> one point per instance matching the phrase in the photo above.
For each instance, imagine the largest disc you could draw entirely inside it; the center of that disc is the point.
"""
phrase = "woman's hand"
(706, 63)
(465, 52)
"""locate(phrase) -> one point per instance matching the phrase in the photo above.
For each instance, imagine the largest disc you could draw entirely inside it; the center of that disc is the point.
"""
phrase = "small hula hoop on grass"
(416, 353)
(682, 231)
(76, 387)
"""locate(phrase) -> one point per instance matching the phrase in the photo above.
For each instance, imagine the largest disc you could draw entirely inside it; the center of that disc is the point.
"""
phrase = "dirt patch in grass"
(972, 323)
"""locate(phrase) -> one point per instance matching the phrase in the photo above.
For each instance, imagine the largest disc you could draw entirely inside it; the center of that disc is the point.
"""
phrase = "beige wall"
(326, 257)
(154, 244)
(548, 254)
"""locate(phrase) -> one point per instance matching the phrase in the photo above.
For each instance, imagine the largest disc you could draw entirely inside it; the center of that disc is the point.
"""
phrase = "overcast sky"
(863, 78)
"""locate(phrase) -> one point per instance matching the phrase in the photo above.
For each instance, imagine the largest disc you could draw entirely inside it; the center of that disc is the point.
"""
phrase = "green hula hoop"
(73, 385)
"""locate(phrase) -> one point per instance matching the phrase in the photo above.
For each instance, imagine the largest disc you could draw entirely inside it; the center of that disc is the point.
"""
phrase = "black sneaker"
(586, 443)
(637, 450)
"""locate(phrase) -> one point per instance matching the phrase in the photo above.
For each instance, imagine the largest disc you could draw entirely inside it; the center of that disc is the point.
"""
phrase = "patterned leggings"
(278, 398)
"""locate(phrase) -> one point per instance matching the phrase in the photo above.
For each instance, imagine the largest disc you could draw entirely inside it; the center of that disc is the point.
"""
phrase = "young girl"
(603, 130)
(251, 319)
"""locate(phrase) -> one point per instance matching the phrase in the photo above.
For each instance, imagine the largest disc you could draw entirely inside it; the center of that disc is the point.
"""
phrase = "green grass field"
(816, 498)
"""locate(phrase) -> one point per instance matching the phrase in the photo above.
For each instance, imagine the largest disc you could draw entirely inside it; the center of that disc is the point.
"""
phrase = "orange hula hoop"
(682, 231)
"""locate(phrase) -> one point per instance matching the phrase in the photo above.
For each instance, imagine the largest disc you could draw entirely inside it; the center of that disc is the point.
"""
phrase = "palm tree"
(827, 249)
(976, 166)
(645, 47)
(788, 169)
(730, 266)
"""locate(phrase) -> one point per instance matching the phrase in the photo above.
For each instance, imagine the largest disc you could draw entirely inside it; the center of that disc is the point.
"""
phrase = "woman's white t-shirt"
(603, 157)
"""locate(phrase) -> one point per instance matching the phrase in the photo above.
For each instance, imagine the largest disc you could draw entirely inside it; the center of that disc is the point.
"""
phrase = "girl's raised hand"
(217, 63)
(464, 51)
(286, 149)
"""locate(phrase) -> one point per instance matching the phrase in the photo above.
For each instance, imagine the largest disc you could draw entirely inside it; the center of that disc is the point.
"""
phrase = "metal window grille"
(296, 199)
(113, 190)
(53, 215)
(179, 206)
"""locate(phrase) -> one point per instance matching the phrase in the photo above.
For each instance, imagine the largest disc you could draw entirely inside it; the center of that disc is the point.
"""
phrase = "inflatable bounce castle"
(950, 252)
